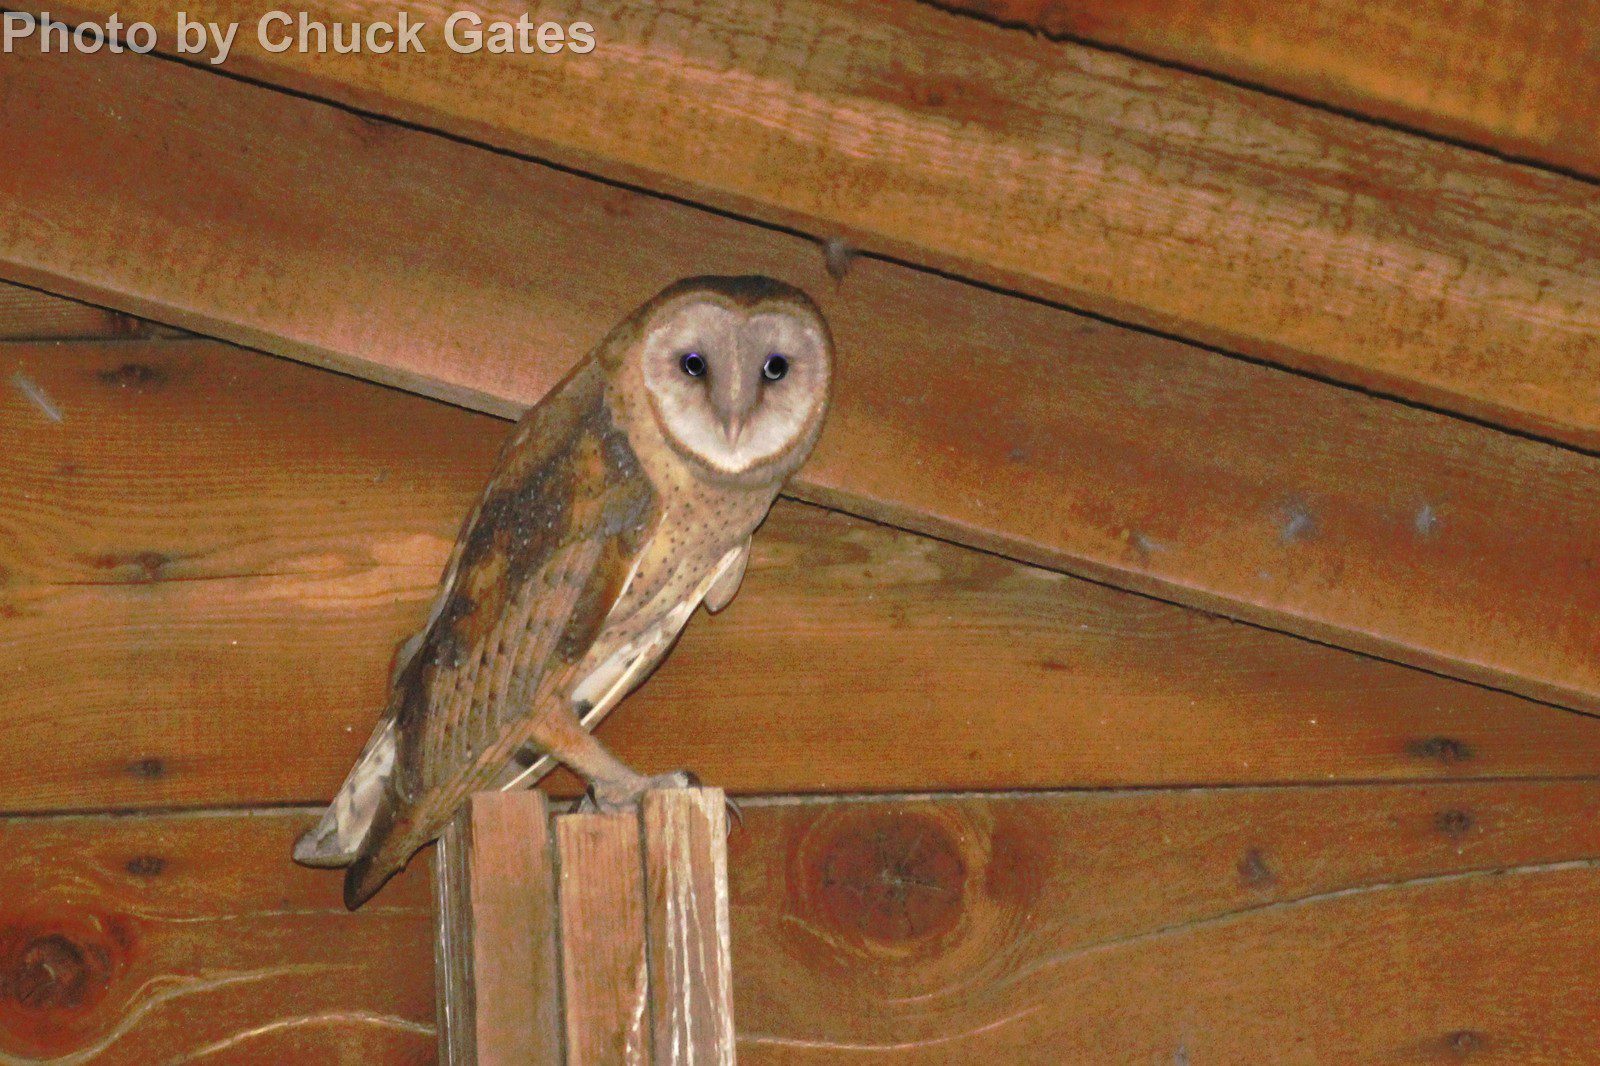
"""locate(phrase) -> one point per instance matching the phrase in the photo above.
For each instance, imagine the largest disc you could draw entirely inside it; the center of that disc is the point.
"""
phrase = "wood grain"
(1498, 73)
(177, 602)
(31, 315)
(1125, 457)
(1145, 193)
(685, 835)
(208, 563)
(455, 944)
(495, 950)
(604, 974)
(1375, 923)
(194, 939)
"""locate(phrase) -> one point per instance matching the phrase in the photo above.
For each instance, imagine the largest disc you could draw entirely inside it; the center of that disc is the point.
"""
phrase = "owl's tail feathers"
(338, 838)
(386, 853)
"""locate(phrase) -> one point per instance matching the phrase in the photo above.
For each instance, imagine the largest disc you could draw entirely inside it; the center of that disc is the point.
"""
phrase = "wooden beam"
(496, 952)
(1152, 927)
(209, 561)
(643, 940)
(1498, 73)
(194, 939)
(31, 315)
(685, 835)
(1029, 431)
(605, 976)
(1145, 193)
(1126, 926)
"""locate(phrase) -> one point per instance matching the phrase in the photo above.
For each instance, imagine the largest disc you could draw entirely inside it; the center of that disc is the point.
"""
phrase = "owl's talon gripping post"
(612, 795)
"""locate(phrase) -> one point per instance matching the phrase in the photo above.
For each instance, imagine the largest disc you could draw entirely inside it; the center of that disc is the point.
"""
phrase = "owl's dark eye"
(694, 364)
(775, 367)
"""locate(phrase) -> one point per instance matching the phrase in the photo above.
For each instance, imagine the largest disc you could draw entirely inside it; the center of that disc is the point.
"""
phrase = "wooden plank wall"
(211, 614)
(1129, 458)
(31, 315)
(1215, 925)
(248, 537)
(1497, 73)
(1243, 845)
(1138, 191)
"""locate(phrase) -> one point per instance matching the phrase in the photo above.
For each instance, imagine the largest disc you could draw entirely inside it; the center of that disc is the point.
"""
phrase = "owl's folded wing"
(539, 566)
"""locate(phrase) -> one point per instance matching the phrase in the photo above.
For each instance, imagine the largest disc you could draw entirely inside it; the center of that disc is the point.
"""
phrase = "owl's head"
(736, 370)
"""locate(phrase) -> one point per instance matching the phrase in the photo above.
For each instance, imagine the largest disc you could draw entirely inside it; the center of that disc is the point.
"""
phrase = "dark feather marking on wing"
(541, 564)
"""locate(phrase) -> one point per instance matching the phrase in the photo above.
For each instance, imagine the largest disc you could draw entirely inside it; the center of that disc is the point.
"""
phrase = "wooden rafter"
(1499, 73)
(1119, 926)
(31, 315)
(1151, 195)
(210, 559)
(1127, 457)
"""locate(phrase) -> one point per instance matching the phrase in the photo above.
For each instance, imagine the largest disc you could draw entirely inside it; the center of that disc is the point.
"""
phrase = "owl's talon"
(608, 797)
(589, 804)
(630, 795)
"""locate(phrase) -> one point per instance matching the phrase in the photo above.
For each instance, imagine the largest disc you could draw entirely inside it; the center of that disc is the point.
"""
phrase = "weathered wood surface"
(687, 933)
(1223, 926)
(1499, 73)
(1124, 457)
(636, 968)
(455, 965)
(193, 939)
(31, 315)
(209, 561)
(498, 983)
(605, 976)
(1336, 925)
(1146, 193)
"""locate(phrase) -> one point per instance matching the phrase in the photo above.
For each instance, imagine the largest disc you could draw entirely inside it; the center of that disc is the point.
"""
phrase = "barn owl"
(622, 500)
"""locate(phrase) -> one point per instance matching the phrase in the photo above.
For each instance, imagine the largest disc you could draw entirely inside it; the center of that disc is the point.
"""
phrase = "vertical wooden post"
(603, 967)
(686, 926)
(499, 996)
(607, 945)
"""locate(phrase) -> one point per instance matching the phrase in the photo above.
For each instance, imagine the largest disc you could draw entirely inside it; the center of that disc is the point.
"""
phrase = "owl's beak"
(733, 428)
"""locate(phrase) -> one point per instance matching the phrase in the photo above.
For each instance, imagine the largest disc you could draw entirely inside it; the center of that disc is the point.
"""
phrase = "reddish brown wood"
(605, 977)
(496, 955)
(640, 947)
(1105, 926)
(1122, 457)
(1142, 192)
(194, 939)
(208, 563)
(1493, 72)
(685, 835)
(31, 315)
(1408, 924)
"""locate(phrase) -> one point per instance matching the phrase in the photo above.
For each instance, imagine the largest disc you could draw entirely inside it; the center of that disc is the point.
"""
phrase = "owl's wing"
(729, 575)
(598, 692)
(539, 567)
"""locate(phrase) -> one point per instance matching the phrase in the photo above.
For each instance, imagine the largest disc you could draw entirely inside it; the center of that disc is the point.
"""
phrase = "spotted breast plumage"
(622, 501)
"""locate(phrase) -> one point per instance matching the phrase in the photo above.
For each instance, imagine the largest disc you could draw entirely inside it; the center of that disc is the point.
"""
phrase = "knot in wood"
(1446, 750)
(133, 376)
(891, 877)
(54, 972)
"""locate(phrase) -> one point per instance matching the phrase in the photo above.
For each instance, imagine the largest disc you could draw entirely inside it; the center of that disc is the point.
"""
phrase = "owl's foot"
(608, 802)
(608, 797)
